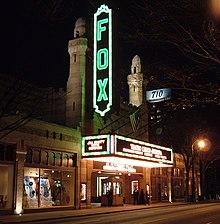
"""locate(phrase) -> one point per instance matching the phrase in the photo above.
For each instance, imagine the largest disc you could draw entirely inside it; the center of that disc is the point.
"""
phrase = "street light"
(201, 145)
(214, 7)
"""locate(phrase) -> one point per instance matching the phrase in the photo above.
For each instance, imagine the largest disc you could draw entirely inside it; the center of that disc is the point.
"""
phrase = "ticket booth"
(113, 184)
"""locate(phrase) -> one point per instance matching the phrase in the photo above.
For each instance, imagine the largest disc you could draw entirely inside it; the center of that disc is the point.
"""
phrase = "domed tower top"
(136, 65)
(80, 28)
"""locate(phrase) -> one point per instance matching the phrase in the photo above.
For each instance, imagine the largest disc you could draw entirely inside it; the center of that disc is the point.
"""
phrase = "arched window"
(52, 159)
(44, 157)
(58, 159)
(65, 160)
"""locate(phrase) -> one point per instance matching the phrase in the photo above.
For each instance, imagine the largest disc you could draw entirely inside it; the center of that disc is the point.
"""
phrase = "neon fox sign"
(102, 67)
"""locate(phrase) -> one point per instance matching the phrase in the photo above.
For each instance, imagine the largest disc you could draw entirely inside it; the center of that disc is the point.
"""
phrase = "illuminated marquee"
(96, 145)
(102, 67)
(133, 148)
(116, 149)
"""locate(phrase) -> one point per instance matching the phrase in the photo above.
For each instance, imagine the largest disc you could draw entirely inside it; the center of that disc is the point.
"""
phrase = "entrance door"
(112, 191)
(123, 183)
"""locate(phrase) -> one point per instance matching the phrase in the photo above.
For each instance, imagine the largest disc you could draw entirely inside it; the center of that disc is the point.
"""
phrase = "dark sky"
(34, 38)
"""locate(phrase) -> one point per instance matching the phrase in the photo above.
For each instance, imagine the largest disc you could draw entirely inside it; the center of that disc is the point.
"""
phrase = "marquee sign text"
(116, 146)
(95, 145)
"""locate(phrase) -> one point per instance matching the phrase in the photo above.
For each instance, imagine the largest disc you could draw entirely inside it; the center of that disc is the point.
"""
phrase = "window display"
(53, 187)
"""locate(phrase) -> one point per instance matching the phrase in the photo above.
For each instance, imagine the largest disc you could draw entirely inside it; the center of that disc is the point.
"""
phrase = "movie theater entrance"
(120, 183)
(118, 165)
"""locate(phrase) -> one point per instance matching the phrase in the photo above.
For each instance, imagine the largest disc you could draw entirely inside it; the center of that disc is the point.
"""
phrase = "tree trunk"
(187, 185)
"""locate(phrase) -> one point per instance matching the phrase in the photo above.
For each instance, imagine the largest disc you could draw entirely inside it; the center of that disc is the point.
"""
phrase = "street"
(207, 213)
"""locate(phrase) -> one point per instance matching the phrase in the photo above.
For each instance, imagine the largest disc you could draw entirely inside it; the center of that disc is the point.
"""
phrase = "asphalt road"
(182, 214)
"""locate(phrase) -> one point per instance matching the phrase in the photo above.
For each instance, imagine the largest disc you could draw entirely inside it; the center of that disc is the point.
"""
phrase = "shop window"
(56, 188)
(2, 152)
(44, 157)
(31, 188)
(36, 156)
(29, 156)
(45, 188)
(67, 195)
(58, 159)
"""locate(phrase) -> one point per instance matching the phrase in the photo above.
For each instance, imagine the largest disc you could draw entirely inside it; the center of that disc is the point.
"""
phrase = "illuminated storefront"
(122, 164)
(122, 150)
(49, 178)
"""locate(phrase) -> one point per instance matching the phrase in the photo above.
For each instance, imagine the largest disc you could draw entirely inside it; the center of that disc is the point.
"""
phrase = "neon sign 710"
(102, 67)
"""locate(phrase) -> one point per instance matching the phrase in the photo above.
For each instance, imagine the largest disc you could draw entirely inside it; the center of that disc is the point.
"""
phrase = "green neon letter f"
(101, 28)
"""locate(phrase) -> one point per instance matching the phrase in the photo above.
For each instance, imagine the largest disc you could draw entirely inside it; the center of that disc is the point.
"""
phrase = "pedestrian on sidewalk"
(136, 196)
(110, 197)
(147, 198)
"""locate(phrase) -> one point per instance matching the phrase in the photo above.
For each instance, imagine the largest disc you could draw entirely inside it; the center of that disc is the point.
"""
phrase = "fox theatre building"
(122, 165)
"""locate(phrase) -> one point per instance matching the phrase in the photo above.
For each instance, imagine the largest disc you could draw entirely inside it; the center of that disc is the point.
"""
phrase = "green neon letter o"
(101, 66)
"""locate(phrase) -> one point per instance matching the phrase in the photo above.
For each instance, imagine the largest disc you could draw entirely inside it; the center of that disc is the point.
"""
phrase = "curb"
(15, 219)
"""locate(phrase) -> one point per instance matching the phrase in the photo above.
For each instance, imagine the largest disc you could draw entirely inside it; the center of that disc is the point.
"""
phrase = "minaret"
(75, 98)
(135, 82)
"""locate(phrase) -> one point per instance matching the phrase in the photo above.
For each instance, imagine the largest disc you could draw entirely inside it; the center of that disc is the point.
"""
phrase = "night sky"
(34, 39)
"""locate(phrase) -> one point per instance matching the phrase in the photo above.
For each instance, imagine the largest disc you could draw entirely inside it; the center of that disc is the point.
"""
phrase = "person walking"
(136, 196)
(110, 197)
(147, 198)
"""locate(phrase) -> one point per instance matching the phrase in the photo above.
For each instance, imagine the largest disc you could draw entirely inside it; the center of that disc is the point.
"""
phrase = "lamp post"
(200, 144)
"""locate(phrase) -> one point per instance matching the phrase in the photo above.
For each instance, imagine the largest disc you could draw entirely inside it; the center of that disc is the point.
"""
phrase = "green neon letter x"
(102, 93)
(101, 28)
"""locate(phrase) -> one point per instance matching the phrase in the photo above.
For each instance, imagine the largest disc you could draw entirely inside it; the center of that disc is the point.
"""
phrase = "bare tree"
(185, 34)
(21, 102)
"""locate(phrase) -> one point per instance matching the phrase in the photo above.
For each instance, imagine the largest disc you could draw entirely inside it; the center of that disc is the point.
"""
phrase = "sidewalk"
(80, 212)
